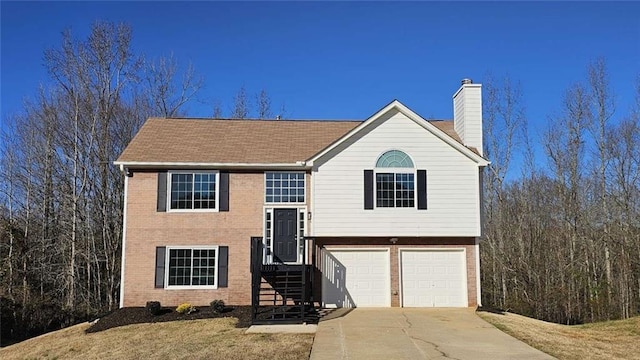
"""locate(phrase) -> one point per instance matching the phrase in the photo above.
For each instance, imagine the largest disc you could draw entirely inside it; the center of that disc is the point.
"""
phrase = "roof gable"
(444, 130)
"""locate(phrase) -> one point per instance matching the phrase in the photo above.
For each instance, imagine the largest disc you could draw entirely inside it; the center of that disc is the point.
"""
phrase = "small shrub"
(217, 306)
(154, 307)
(185, 308)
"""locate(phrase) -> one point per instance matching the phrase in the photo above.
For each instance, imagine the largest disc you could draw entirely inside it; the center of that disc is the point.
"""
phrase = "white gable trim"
(395, 104)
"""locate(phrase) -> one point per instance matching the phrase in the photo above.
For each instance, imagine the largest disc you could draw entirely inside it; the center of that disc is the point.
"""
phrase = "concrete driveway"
(403, 333)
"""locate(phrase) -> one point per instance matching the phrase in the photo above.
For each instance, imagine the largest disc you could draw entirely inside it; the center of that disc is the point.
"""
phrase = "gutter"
(124, 165)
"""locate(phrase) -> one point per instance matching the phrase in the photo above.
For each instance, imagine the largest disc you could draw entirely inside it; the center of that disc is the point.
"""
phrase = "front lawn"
(217, 338)
(604, 340)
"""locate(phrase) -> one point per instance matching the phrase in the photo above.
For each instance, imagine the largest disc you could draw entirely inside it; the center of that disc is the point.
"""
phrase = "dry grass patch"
(194, 339)
(606, 340)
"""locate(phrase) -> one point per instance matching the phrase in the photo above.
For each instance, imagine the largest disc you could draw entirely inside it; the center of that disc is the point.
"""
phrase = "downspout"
(124, 233)
(479, 290)
(477, 242)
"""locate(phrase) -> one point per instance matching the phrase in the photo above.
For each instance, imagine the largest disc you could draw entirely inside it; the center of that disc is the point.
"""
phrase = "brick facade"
(147, 229)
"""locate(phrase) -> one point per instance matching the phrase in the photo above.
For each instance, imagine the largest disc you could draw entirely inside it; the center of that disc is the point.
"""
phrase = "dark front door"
(285, 244)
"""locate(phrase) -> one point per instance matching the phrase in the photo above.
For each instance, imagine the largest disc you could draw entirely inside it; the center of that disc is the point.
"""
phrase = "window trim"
(170, 174)
(190, 247)
(395, 171)
(413, 163)
(304, 187)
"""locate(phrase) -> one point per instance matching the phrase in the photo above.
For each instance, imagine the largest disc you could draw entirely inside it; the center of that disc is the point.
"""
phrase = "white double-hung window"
(192, 267)
(196, 191)
(395, 180)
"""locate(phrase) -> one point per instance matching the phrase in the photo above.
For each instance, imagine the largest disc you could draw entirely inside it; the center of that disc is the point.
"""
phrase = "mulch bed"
(140, 315)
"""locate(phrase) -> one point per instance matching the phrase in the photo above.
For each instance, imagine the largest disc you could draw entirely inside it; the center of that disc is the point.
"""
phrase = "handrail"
(261, 272)
(303, 299)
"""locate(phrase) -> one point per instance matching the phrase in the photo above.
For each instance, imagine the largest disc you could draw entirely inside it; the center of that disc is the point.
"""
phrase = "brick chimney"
(467, 114)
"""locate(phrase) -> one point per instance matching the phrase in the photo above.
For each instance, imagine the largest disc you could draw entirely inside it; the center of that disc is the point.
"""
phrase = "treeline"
(562, 236)
(61, 197)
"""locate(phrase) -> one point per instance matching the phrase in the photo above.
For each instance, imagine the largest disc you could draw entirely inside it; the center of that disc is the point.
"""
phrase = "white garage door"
(433, 278)
(353, 278)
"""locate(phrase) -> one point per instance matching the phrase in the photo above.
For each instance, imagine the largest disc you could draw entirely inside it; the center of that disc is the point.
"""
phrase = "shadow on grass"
(139, 315)
(490, 309)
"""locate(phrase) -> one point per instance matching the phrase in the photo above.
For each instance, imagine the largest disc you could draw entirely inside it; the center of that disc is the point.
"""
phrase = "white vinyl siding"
(458, 113)
(452, 186)
(467, 105)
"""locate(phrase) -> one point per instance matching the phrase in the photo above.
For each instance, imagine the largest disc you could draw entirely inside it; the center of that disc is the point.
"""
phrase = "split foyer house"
(380, 212)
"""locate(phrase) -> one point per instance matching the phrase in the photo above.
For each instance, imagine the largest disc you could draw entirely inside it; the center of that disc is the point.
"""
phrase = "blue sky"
(346, 60)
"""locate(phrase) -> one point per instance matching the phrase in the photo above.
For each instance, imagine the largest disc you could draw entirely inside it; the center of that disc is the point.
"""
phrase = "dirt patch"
(140, 315)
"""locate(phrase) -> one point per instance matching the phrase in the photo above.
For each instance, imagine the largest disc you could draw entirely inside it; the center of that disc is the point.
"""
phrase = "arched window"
(394, 159)
(395, 180)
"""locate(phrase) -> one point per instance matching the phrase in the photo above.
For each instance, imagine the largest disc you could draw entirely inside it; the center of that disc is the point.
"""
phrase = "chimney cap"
(466, 81)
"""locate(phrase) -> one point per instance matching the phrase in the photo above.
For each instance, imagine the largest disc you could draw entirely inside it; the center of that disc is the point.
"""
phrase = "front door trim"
(268, 258)
(286, 238)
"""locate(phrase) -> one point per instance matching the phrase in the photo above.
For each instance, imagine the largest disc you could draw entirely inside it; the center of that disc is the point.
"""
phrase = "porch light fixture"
(393, 240)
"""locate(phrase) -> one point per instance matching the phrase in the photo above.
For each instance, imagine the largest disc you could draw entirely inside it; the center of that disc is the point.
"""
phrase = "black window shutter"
(162, 191)
(422, 189)
(223, 266)
(160, 257)
(224, 191)
(368, 189)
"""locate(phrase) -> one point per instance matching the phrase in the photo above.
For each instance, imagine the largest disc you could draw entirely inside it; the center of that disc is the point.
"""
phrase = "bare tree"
(263, 102)
(503, 120)
(217, 110)
(240, 105)
(565, 146)
(169, 93)
(603, 108)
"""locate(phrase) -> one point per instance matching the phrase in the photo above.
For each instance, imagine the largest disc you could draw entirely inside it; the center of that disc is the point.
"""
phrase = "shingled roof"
(238, 141)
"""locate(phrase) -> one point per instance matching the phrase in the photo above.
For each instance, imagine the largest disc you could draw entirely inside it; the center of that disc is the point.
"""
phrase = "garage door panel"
(363, 275)
(433, 278)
